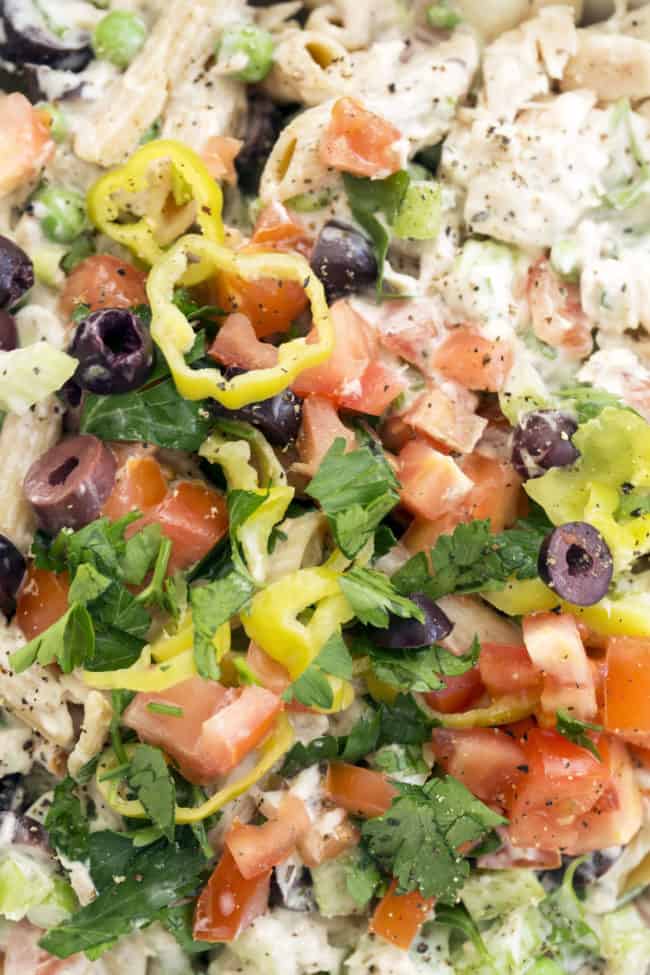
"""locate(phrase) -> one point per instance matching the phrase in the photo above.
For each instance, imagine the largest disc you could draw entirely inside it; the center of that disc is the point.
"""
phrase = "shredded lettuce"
(30, 888)
(31, 374)
(493, 893)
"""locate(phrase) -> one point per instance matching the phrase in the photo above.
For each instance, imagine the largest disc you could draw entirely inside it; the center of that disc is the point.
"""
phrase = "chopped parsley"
(577, 731)
(151, 780)
(356, 491)
(417, 840)
(312, 688)
(373, 597)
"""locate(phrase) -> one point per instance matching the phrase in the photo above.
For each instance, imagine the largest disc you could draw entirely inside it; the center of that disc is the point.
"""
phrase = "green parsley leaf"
(67, 823)
(157, 414)
(472, 559)
(88, 584)
(356, 491)
(140, 553)
(70, 642)
(363, 737)
(179, 921)
(213, 605)
(299, 757)
(576, 731)
(459, 918)
(422, 670)
(373, 596)
(155, 593)
(362, 878)
(156, 877)
(312, 688)
(417, 840)
(109, 854)
(151, 780)
(400, 759)
(367, 198)
(404, 722)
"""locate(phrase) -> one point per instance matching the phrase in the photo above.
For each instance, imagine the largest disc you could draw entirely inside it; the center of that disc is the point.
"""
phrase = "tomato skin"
(554, 645)
(235, 730)
(460, 693)
(256, 849)
(26, 130)
(319, 428)
(103, 281)
(139, 485)
(42, 600)
(229, 902)
(432, 482)
(314, 848)
(556, 312)
(398, 917)
(219, 154)
(273, 675)
(563, 783)
(446, 418)
(353, 349)
(358, 141)
(237, 344)
(194, 518)
(486, 760)
(627, 688)
(473, 361)
(360, 791)
(379, 385)
(270, 305)
(507, 669)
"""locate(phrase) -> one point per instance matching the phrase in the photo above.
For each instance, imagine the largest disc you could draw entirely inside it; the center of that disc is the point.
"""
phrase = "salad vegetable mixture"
(324, 488)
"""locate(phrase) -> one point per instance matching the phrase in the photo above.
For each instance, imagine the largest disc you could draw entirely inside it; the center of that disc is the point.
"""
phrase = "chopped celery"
(418, 217)
(31, 374)
(492, 893)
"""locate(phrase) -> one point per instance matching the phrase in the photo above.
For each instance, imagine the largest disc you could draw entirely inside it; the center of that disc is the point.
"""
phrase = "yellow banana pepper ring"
(175, 336)
(190, 182)
(272, 618)
(505, 710)
(270, 751)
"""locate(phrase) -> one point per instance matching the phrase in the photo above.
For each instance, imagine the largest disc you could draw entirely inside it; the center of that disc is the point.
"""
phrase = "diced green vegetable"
(61, 211)
(118, 37)
(331, 888)
(29, 887)
(419, 214)
(443, 17)
(31, 374)
(493, 893)
(246, 51)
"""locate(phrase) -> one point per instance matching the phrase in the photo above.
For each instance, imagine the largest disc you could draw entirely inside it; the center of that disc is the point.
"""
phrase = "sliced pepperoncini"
(270, 751)
(272, 620)
(160, 171)
(174, 334)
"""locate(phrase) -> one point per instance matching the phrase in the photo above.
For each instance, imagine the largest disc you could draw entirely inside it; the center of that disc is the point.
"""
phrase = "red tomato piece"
(432, 482)
(180, 737)
(358, 141)
(194, 518)
(562, 784)
(229, 903)
(496, 493)
(103, 281)
(218, 154)
(27, 131)
(277, 229)
(627, 688)
(554, 645)
(473, 361)
(272, 675)
(316, 848)
(319, 428)
(237, 344)
(353, 349)
(256, 849)
(399, 917)
(556, 312)
(458, 694)
(239, 727)
(486, 760)
(446, 419)
(378, 386)
(360, 791)
(139, 485)
(507, 669)
(216, 729)
(42, 600)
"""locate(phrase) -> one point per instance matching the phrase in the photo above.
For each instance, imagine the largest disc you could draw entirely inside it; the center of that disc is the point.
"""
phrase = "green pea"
(61, 211)
(118, 37)
(442, 17)
(249, 50)
(58, 121)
